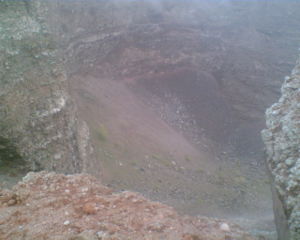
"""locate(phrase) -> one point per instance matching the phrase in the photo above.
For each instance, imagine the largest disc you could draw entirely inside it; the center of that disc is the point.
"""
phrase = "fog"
(174, 95)
(179, 89)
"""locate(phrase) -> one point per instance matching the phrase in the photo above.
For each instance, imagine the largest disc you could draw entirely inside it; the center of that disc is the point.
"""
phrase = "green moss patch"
(102, 133)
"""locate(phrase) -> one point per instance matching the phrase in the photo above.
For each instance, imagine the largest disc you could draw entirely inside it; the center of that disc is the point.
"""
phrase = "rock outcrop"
(38, 120)
(282, 140)
(77, 207)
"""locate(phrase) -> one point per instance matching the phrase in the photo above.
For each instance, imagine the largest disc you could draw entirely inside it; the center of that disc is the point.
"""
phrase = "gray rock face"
(36, 113)
(282, 140)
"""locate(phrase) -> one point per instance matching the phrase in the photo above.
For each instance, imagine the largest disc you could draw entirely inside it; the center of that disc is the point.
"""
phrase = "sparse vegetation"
(187, 158)
(164, 161)
(154, 156)
(102, 133)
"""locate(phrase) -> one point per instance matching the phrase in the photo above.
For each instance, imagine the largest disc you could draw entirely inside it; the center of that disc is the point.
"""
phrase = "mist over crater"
(172, 96)
(191, 81)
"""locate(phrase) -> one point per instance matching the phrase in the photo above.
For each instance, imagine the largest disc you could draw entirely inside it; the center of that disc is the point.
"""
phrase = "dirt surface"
(139, 151)
(77, 207)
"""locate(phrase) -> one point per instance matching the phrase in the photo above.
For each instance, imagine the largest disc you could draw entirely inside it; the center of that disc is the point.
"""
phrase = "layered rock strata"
(282, 140)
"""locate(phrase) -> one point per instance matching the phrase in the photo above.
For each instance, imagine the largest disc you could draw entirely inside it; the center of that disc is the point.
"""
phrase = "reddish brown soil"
(52, 206)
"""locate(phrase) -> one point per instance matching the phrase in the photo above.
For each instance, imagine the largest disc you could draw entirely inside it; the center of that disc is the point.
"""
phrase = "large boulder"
(282, 140)
(38, 120)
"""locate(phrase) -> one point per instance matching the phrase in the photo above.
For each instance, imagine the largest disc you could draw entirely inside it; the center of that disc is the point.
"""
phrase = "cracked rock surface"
(38, 120)
(282, 140)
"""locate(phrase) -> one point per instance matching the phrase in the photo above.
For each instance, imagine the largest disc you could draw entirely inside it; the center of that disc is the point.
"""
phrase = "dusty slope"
(140, 152)
(203, 68)
(236, 46)
(138, 149)
(77, 207)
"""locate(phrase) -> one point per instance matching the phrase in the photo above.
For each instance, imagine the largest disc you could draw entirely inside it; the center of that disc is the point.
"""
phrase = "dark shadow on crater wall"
(12, 165)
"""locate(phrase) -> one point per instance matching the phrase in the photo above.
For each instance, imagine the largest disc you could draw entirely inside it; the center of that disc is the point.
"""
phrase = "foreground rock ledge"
(77, 207)
(282, 140)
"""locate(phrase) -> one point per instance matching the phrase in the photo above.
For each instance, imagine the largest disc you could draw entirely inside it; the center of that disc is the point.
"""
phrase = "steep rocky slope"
(39, 127)
(77, 207)
(203, 68)
(173, 94)
(282, 139)
(221, 52)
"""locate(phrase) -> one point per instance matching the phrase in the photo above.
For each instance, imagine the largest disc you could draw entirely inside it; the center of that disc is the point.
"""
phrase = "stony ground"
(134, 146)
(52, 206)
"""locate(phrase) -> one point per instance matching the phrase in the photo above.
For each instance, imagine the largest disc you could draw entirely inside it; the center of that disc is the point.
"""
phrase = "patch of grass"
(187, 158)
(200, 200)
(155, 156)
(240, 180)
(102, 133)
(108, 154)
(162, 160)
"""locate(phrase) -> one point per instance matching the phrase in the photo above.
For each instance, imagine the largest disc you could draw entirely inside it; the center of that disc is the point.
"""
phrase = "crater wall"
(282, 140)
(37, 117)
